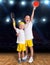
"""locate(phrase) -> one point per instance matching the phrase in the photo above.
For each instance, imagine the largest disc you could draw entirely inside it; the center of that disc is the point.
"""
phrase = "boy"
(29, 35)
(20, 39)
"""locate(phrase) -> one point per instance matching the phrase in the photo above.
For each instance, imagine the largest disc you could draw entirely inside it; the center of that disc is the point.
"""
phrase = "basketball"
(36, 3)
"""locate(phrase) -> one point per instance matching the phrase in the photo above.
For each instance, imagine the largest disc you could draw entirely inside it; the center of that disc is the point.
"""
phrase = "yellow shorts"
(21, 47)
(29, 43)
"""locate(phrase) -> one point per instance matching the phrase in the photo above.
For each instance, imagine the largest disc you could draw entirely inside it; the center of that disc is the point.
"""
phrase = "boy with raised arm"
(29, 35)
(20, 39)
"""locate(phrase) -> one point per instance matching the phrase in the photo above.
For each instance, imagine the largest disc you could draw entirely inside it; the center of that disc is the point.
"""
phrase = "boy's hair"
(21, 23)
(27, 15)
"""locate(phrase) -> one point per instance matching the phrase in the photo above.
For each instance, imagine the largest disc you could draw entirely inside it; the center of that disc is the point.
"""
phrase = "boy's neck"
(21, 29)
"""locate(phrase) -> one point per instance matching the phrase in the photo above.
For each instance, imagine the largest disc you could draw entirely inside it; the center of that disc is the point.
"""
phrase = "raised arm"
(32, 16)
(14, 23)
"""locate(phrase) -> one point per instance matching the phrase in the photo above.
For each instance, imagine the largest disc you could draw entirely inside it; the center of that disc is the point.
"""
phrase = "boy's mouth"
(27, 20)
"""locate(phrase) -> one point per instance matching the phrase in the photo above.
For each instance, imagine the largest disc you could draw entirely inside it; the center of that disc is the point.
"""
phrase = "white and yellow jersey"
(28, 31)
(21, 36)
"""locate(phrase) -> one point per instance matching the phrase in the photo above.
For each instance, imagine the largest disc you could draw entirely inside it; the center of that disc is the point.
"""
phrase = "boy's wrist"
(13, 18)
(34, 8)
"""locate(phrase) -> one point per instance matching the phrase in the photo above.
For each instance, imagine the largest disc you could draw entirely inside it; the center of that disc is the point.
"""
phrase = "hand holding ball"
(12, 15)
(36, 4)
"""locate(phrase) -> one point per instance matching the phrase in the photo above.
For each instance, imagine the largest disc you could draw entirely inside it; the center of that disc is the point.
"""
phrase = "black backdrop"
(41, 28)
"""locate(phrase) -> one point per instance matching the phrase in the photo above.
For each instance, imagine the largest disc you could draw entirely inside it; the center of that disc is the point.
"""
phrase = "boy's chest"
(28, 27)
(21, 32)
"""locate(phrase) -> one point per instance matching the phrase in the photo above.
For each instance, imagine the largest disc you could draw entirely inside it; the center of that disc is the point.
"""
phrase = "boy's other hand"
(12, 15)
(17, 34)
(34, 8)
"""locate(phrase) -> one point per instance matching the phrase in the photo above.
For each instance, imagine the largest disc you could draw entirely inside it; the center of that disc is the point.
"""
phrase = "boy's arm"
(14, 23)
(32, 16)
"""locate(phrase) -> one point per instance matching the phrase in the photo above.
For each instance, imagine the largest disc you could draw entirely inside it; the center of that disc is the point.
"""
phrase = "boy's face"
(21, 26)
(27, 19)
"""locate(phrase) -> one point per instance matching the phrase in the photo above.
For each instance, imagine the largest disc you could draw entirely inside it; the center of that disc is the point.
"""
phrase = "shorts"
(29, 43)
(21, 47)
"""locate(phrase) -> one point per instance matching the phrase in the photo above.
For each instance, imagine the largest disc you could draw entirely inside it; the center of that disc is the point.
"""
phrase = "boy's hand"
(12, 15)
(17, 34)
(34, 8)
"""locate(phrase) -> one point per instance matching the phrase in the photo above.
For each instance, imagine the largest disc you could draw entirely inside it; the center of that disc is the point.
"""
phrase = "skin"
(21, 26)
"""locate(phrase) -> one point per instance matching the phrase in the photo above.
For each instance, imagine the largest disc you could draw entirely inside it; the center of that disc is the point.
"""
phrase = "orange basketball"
(36, 3)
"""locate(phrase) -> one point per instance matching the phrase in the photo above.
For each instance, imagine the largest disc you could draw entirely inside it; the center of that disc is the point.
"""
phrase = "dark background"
(41, 28)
